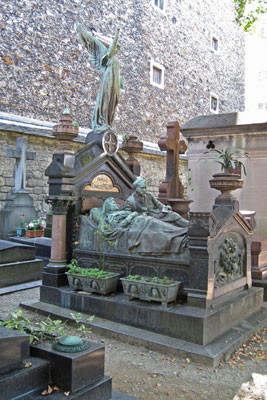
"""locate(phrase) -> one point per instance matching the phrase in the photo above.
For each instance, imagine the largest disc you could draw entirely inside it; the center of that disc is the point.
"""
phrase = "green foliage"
(161, 281)
(47, 329)
(246, 16)
(228, 159)
(125, 138)
(102, 241)
(90, 272)
(79, 326)
(189, 181)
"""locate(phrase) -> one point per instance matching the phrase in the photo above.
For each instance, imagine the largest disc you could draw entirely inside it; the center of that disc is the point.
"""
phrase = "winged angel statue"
(104, 60)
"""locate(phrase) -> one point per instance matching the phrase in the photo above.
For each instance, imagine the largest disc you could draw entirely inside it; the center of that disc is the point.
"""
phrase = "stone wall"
(43, 68)
(43, 143)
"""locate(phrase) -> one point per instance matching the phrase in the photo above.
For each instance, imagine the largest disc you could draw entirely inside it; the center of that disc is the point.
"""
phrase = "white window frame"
(158, 8)
(213, 38)
(160, 67)
(212, 94)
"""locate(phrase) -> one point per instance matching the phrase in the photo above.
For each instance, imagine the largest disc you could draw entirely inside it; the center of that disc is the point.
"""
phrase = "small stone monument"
(19, 201)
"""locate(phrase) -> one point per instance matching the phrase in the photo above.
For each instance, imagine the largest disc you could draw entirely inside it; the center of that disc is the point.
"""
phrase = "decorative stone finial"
(65, 132)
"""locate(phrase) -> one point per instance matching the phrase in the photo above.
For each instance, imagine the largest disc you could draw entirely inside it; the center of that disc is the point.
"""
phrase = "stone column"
(200, 291)
(54, 273)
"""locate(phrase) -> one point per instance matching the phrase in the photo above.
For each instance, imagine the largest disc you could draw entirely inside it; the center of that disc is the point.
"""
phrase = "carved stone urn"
(226, 182)
(132, 146)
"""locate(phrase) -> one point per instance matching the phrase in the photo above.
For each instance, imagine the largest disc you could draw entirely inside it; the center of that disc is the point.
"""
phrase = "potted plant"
(162, 290)
(91, 279)
(21, 229)
(231, 165)
(229, 159)
(36, 228)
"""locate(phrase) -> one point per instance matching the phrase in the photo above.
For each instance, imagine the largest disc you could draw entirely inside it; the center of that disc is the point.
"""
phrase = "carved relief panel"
(229, 258)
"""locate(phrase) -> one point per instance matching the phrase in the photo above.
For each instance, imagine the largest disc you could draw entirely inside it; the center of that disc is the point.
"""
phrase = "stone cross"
(21, 155)
(171, 190)
(171, 187)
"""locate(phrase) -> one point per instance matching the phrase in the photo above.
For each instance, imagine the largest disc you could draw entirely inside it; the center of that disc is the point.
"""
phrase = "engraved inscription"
(101, 183)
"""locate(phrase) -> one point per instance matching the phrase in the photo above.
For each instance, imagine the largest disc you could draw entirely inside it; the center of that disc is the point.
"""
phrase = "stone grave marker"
(19, 201)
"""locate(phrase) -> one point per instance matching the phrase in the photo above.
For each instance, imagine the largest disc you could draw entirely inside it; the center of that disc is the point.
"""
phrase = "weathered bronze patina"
(104, 60)
(71, 344)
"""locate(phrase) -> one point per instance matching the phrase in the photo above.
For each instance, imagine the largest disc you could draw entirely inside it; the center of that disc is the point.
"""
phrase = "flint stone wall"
(44, 68)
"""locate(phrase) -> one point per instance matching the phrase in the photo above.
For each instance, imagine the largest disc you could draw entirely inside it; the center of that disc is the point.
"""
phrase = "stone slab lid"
(214, 121)
(14, 252)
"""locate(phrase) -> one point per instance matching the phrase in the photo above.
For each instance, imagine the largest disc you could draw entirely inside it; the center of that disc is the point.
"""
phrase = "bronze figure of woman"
(103, 59)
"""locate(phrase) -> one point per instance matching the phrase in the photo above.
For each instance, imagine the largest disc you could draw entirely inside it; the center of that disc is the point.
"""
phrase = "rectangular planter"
(150, 291)
(33, 234)
(93, 285)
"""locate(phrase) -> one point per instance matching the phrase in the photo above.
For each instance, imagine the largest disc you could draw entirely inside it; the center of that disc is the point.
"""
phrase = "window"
(156, 74)
(214, 44)
(214, 103)
(159, 5)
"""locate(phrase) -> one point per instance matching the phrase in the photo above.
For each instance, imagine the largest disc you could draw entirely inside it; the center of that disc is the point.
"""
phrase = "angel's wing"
(96, 49)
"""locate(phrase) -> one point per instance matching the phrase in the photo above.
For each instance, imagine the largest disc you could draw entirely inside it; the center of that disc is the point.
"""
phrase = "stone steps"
(25, 380)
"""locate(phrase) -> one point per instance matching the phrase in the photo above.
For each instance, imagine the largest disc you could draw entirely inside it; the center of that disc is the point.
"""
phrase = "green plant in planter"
(162, 281)
(97, 273)
(229, 159)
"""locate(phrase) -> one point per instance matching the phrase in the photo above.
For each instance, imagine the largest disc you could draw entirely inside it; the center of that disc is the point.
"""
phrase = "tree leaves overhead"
(249, 11)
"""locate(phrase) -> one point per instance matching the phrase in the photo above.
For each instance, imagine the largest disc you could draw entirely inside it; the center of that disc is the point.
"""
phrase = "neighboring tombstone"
(171, 190)
(234, 130)
(73, 365)
(18, 264)
(19, 201)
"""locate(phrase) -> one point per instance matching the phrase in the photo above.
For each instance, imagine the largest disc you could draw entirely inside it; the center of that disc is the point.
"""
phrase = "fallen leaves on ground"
(47, 391)
(252, 349)
(28, 365)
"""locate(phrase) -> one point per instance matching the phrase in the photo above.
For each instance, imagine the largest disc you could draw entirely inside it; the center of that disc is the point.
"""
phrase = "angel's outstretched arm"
(113, 48)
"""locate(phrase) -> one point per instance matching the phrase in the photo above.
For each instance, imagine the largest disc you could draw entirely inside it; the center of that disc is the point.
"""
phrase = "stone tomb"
(18, 264)
(217, 293)
(27, 370)
(236, 130)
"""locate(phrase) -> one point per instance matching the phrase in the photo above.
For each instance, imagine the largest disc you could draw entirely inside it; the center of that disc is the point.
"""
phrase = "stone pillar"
(200, 292)
(54, 272)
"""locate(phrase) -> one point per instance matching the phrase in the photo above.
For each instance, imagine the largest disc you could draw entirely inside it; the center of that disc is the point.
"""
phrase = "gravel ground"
(151, 375)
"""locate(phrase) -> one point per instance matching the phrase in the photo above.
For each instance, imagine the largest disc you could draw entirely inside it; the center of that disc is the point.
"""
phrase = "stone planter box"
(93, 285)
(150, 291)
(33, 234)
